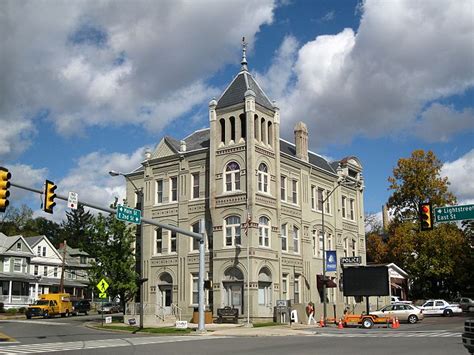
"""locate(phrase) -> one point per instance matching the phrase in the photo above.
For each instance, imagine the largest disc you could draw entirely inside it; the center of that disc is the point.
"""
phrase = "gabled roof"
(235, 92)
(7, 242)
(33, 241)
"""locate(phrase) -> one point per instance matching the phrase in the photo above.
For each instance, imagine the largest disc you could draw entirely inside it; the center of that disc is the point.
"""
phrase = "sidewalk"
(242, 330)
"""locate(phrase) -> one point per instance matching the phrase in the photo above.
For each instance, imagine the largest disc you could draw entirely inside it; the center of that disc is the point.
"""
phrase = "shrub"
(22, 310)
(12, 310)
(2, 310)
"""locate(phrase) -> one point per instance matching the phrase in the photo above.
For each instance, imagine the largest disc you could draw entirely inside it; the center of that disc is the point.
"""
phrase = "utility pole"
(61, 284)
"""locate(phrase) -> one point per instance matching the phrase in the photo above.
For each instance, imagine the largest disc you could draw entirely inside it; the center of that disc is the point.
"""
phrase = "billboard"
(366, 281)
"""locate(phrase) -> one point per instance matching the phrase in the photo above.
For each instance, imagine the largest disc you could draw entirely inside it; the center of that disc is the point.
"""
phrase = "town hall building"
(261, 200)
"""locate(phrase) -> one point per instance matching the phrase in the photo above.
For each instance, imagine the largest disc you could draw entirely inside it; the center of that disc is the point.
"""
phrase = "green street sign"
(454, 213)
(102, 285)
(128, 214)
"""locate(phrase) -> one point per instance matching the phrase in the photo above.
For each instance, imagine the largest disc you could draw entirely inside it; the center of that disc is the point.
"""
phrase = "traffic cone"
(394, 323)
(398, 322)
(321, 322)
(339, 325)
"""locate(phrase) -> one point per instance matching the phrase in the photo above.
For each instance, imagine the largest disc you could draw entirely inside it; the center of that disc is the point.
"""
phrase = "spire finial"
(244, 58)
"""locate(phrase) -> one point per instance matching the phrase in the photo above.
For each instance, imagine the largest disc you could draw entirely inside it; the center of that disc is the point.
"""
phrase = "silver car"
(404, 312)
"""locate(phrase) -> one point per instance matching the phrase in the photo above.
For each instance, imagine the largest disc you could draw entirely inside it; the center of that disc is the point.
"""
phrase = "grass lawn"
(266, 324)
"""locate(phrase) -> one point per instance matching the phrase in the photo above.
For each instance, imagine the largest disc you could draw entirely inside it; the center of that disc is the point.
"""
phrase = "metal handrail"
(176, 311)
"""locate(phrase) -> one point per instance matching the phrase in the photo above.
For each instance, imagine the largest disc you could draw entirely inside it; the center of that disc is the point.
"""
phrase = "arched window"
(265, 287)
(263, 137)
(222, 122)
(232, 231)
(264, 231)
(256, 127)
(296, 240)
(243, 126)
(354, 247)
(284, 237)
(232, 177)
(232, 128)
(262, 178)
(270, 134)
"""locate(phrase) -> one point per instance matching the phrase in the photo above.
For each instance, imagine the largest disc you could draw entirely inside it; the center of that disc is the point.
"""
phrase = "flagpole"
(249, 219)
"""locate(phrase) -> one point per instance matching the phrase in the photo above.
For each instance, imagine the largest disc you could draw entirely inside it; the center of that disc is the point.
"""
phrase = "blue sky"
(87, 86)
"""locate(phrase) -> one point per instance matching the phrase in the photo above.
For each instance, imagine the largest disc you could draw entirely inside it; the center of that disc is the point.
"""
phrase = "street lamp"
(139, 193)
(340, 182)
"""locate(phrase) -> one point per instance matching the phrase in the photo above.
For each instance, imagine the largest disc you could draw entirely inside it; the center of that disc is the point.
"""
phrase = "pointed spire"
(244, 58)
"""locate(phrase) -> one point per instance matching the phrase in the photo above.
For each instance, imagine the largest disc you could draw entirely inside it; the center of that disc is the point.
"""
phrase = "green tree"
(437, 260)
(111, 245)
(14, 220)
(416, 180)
(42, 226)
(75, 227)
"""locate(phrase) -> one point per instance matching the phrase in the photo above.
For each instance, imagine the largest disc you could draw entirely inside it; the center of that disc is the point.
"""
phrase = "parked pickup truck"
(395, 299)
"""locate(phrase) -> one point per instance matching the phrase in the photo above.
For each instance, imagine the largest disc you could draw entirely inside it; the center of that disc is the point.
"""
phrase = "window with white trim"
(328, 202)
(159, 191)
(313, 197)
(294, 191)
(262, 181)
(17, 264)
(158, 240)
(232, 177)
(320, 198)
(346, 247)
(173, 241)
(55, 271)
(45, 271)
(284, 237)
(343, 206)
(320, 244)
(297, 289)
(195, 290)
(264, 232)
(196, 228)
(351, 209)
(284, 286)
(296, 240)
(283, 188)
(18, 246)
(195, 182)
(354, 247)
(35, 272)
(44, 251)
(173, 189)
(232, 231)
(39, 251)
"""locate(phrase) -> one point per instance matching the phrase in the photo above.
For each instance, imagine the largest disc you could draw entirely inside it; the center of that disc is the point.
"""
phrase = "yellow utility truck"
(50, 304)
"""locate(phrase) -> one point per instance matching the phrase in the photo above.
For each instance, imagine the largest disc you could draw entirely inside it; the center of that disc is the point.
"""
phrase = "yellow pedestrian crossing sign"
(102, 295)
(102, 286)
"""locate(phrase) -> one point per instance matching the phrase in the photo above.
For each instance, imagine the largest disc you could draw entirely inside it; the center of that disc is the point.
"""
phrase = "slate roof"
(196, 140)
(314, 159)
(33, 240)
(235, 92)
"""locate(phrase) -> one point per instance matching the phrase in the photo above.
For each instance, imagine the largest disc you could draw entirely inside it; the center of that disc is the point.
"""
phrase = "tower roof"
(235, 92)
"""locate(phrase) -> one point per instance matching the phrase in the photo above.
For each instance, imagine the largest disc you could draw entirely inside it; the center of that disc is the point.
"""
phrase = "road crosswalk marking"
(95, 344)
(404, 334)
(33, 321)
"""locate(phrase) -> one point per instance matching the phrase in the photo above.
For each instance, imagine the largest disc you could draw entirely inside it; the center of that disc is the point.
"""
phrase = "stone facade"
(260, 198)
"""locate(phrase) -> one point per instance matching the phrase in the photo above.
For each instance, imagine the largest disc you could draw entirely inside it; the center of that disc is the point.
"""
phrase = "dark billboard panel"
(366, 281)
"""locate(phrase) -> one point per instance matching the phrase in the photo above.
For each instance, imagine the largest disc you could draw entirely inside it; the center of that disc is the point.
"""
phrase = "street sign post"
(128, 214)
(454, 213)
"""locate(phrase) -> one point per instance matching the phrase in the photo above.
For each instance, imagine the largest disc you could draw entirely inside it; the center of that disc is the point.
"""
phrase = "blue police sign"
(331, 260)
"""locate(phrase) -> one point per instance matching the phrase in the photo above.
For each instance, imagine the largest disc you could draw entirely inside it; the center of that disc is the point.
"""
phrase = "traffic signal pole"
(197, 236)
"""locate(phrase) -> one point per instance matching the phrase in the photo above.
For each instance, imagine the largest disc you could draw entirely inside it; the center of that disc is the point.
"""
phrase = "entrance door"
(234, 295)
(165, 298)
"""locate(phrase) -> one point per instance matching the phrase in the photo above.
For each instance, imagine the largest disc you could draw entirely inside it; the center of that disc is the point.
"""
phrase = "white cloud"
(460, 173)
(100, 63)
(376, 81)
(28, 176)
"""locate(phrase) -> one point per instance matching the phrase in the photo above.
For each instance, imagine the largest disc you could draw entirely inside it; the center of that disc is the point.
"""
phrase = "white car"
(440, 307)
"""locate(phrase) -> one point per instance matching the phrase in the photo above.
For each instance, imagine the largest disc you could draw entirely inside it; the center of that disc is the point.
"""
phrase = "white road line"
(34, 322)
(94, 344)
(405, 334)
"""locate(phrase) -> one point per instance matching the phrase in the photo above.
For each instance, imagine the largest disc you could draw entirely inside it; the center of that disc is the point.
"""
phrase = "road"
(433, 336)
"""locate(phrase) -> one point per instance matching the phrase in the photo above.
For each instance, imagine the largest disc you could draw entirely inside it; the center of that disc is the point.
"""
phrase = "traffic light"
(426, 217)
(49, 196)
(4, 185)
